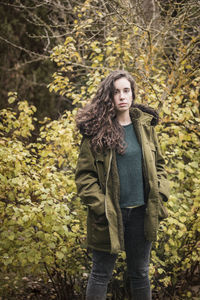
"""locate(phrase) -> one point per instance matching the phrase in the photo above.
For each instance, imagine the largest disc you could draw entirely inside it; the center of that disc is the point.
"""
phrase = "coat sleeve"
(163, 183)
(87, 180)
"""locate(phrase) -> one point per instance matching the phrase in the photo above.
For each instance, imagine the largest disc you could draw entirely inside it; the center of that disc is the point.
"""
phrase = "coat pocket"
(99, 161)
(100, 220)
(98, 230)
(162, 210)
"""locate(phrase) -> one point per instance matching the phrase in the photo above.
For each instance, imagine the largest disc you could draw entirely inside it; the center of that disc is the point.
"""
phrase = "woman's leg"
(137, 252)
(103, 265)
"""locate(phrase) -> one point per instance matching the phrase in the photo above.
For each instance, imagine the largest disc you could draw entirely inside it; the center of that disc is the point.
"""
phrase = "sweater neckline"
(128, 125)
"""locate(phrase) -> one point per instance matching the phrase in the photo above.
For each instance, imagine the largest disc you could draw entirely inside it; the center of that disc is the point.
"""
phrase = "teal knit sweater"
(130, 171)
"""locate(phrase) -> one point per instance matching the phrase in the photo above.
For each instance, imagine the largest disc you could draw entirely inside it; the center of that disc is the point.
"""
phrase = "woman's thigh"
(136, 246)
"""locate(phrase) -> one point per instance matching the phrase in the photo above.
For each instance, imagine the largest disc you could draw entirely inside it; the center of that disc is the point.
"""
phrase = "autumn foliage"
(42, 221)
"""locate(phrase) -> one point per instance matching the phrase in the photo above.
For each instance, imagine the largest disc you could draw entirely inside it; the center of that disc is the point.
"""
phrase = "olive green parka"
(98, 185)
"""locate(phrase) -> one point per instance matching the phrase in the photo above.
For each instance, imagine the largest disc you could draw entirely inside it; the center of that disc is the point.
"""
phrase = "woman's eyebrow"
(124, 88)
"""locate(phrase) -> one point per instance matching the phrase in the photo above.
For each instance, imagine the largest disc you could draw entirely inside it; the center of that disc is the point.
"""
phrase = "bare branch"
(31, 53)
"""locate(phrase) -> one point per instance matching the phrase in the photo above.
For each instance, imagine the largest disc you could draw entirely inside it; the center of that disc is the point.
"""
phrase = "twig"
(23, 49)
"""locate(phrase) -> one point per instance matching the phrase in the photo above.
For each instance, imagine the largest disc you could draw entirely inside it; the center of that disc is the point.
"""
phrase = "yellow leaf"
(166, 110)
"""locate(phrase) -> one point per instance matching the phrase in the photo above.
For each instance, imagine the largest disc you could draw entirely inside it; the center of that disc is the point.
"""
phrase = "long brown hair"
(98, 121)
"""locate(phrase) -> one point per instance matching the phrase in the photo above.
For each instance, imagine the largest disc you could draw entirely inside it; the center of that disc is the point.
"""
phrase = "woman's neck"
(124, 119)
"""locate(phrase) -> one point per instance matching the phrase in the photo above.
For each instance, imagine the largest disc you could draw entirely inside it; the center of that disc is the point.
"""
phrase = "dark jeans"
(137, 257)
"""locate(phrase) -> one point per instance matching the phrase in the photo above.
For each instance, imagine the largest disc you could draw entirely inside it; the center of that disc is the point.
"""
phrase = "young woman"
(120, 176)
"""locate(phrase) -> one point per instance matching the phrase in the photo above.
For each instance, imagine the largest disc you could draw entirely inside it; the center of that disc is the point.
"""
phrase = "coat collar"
(144, 114)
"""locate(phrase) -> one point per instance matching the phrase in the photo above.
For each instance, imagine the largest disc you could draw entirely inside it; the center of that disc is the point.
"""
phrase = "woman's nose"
(122, 95)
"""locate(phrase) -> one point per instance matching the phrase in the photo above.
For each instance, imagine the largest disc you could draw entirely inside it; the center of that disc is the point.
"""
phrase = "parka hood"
(137, 109)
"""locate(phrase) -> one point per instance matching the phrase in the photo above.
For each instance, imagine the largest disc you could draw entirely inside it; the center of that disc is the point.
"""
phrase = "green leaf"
(59, 255)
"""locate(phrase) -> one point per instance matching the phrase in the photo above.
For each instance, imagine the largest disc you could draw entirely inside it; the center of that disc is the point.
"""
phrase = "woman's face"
(122, 95)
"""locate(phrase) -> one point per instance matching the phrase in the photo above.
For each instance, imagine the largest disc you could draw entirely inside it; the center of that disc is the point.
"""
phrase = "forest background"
(53, 56)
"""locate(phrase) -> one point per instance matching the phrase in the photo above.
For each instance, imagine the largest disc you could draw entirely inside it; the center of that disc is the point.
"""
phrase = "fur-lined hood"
(136, 113)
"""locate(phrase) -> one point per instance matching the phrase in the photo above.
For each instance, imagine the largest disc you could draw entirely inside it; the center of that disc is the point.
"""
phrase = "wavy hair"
(97, 119)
